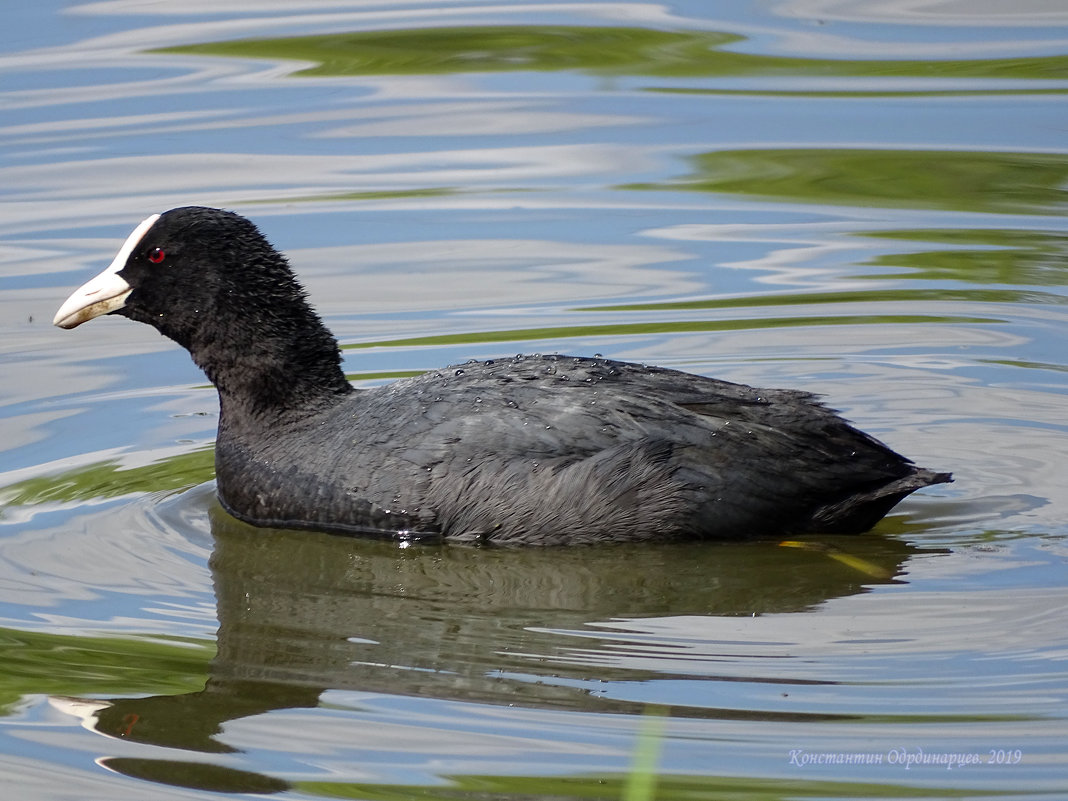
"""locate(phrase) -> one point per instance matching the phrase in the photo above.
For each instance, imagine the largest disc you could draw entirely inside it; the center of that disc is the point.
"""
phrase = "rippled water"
(863, 199)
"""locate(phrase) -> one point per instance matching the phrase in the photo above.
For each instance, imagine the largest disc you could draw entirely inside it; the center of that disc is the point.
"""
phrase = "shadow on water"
(302, 613)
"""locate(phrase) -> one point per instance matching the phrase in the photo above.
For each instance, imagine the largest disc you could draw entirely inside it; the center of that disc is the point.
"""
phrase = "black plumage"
(523, 450)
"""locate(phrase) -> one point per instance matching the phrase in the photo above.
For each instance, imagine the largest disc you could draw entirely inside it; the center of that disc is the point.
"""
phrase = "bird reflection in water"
(302, 613)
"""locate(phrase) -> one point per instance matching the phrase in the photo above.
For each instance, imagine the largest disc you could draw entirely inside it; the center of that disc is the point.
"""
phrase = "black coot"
(525, 450)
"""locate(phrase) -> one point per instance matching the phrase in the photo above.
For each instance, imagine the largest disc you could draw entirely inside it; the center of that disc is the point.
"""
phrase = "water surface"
(862, 199)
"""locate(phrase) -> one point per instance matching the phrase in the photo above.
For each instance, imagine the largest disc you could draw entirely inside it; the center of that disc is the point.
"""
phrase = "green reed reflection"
(822, 298)
(666, 327)
(612, 787)
(974, 181)
(109, 479)
(599, 50)
(56, 664)
(377, 194)
(982, 256)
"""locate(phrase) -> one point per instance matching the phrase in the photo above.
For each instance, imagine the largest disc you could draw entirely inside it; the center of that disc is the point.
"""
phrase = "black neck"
(287, 362)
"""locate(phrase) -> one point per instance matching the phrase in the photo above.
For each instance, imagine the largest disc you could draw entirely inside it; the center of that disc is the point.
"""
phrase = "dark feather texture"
(525, 450)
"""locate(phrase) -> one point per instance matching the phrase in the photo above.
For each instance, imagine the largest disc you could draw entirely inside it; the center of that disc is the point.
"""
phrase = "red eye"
(157, 255)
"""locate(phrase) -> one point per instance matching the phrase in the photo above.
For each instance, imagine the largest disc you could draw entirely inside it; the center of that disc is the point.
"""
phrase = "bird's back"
(557, 449)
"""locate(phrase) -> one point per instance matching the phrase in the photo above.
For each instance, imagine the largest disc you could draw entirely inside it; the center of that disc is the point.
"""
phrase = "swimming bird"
(545, 449)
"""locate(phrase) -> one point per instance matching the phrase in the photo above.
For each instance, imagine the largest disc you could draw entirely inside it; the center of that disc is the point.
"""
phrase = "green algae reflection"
(598, 50)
